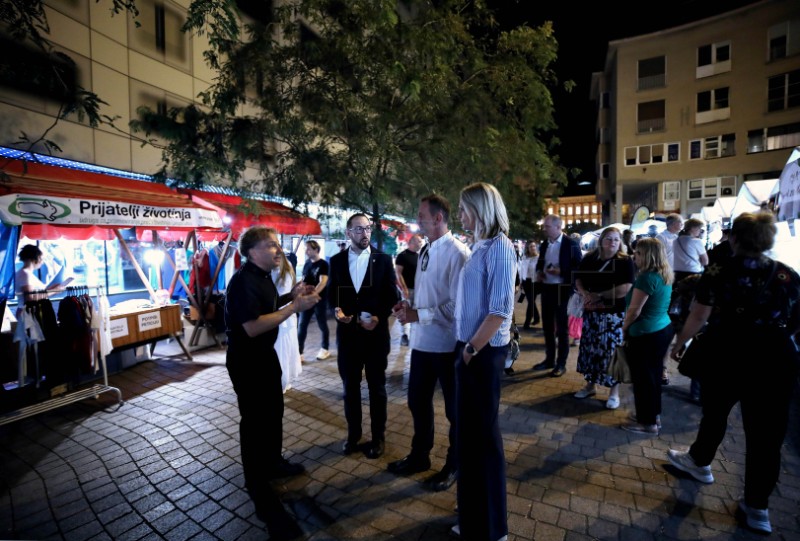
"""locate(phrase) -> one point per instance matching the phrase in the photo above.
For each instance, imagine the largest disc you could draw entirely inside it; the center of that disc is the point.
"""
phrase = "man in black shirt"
(252, 316)
(315, 273)
(405, 265)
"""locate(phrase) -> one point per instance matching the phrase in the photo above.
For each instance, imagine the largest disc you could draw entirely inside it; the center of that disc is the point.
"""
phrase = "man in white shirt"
(668, 236)
(433, 340)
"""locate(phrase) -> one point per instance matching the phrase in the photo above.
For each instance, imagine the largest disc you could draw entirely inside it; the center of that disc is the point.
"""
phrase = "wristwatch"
(470, 349)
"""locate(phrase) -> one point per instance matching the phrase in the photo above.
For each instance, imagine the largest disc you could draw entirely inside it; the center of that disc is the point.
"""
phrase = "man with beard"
(362, 289)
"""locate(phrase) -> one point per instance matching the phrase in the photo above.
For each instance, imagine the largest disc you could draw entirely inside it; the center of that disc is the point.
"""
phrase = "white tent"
(752, 194)
(789, 188)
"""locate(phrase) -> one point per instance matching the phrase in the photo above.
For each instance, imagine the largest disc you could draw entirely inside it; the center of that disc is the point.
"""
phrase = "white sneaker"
(684, 462)
(757, 519)
(613, 402)
(323, 354)
(456, 530)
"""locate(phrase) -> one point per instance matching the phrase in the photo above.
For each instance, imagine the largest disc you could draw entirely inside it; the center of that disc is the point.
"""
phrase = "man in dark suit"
(559, 257)
(362, 289)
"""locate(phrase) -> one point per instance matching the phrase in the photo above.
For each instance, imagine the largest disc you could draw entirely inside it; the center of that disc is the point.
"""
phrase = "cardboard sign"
(149, 320)
(119, 328)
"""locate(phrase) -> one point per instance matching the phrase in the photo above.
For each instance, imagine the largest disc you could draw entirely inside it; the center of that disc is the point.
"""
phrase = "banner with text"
(16, 209)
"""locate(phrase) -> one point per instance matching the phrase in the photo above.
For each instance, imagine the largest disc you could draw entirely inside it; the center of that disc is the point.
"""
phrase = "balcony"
(651, 125)
(652, 81)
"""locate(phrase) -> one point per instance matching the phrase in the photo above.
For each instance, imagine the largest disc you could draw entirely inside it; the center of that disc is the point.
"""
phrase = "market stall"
(241, 213)
(51, 203)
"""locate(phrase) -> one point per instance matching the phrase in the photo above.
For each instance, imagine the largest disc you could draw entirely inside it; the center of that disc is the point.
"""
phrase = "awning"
(243, 213)
(751, 195)
(55, 202)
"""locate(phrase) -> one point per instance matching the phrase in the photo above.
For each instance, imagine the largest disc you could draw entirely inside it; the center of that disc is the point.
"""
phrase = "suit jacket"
(569, 259)
(378, 293)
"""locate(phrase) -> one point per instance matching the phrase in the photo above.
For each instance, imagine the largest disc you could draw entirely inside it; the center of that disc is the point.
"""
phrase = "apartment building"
(126, 64)
(688, 114)
(576, 209)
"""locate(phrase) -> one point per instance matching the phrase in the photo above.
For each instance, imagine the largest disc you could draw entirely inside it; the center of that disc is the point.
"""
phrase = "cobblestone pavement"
(166, 465)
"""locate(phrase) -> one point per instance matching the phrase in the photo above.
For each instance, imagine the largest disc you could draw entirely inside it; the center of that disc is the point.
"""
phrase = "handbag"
(575, 306)
(694, 361)
(618, 368)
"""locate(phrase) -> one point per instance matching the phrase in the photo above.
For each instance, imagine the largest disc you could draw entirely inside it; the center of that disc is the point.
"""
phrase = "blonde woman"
(648, 330)
(287, 345)
(484, 305)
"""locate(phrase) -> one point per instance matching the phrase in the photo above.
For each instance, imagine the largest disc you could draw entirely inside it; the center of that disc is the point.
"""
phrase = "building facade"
(576, 210)
(688, 114)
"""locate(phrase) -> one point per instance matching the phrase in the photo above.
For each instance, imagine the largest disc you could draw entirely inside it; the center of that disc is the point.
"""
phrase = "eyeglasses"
(359, 230)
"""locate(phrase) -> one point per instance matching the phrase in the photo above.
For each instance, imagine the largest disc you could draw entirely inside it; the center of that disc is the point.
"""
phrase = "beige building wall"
(123, 66)
(747, 34)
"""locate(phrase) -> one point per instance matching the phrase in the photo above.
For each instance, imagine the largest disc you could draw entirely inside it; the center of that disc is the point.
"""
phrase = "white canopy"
(789, 188)
(751, 195)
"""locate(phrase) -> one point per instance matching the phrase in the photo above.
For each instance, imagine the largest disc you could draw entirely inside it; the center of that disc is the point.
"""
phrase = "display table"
(134, 326)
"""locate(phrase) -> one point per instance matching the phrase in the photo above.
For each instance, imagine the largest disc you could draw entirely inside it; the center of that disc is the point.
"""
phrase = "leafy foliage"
(369, 104)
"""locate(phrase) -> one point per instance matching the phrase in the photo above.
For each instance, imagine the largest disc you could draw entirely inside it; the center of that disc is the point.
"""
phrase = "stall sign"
(16, 209)
(149, 320)
(119, 328)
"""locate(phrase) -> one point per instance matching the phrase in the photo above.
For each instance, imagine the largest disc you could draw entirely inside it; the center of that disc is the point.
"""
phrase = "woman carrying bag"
(648, 331)
(749, 302)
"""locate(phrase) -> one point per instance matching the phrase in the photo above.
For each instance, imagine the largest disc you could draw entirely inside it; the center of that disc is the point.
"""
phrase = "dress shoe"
(558, 372)
(284, 468)
(443, 480)
(350, 447)
(375, 449)
(410, 464)
(544, 365)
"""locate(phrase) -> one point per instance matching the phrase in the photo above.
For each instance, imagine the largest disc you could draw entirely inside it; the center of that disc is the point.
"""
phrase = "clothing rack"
(74, 396)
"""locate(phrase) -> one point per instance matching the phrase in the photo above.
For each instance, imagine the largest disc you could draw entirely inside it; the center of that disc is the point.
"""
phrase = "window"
(784, 39)
(94, 262)
(713, 58)
(652, 73)
(783, 91)
(710, 188)
(647, 154)
(719, 146)
(712, 99)
(605, 100)
(159, 33)
(672, 191)
(594, 208)
(605, 170)
(777, 137)
(651, 116)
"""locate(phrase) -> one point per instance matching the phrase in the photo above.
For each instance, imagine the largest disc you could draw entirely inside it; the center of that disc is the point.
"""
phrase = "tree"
(32, 64)
(369, 104)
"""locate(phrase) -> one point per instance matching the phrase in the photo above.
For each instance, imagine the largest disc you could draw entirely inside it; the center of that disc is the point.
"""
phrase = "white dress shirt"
(358, 266)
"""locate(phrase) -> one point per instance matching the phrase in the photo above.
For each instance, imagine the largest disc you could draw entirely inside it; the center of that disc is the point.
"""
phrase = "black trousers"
(321, 311)
(426, 370)
(646, 359)
(531, 290)
(361, 351)
(257, 383)
(764, 392)
(555, 322)
(481, 494)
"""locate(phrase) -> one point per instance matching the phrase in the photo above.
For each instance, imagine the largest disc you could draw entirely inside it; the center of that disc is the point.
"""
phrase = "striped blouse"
(486, 287)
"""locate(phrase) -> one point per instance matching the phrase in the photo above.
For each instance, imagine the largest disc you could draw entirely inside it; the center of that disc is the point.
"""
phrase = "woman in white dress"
(287, 346)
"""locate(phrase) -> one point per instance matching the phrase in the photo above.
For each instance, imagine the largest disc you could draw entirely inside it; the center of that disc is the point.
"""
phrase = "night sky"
(583, 31)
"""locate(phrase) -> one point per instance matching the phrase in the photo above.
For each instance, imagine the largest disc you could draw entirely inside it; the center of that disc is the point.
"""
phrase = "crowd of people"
(455, 302)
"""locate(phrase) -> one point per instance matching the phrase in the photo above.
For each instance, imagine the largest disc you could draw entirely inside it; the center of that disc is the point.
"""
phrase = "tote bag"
(618, 368)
